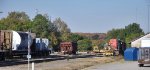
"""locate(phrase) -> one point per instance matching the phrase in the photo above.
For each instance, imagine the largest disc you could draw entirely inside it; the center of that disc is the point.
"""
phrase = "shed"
(131, 54)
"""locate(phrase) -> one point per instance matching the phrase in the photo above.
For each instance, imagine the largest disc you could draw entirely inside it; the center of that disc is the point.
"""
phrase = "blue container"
(131, 54)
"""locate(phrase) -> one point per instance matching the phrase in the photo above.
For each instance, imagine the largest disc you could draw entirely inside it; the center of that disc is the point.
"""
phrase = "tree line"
(58, 31)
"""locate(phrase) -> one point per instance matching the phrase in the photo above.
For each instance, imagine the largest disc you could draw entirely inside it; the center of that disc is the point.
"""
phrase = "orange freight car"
(113, 43)
(117, 45)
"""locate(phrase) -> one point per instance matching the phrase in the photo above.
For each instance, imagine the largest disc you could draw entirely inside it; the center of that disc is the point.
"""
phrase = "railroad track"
(11, 62)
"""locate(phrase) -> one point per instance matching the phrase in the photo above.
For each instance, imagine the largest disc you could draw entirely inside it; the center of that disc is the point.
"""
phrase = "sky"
(94, 16)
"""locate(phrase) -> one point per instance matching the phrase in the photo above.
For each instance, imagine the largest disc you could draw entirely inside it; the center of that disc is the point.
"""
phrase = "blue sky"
(85, 15)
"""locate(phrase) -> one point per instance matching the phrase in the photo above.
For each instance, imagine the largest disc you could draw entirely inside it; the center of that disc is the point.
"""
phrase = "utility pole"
(28, 53)
(29, 56)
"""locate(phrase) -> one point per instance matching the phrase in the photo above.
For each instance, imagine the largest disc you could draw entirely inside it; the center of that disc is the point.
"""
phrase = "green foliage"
(133, 31)
(116, 33)
(133, 28)
(40, 26)
(15, 21)
(75, 37)
(84, 45)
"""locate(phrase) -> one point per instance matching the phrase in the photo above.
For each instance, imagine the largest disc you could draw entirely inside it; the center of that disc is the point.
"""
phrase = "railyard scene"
(74, 35)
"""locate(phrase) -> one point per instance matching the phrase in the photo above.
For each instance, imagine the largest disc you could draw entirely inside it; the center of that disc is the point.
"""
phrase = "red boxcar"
(117, 45)
(68, 47)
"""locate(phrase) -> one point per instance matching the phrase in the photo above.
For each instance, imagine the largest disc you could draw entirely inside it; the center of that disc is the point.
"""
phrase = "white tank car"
(20, 41)
(16, 40)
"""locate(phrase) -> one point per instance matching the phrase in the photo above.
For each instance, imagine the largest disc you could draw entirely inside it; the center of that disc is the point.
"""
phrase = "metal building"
(137, 42)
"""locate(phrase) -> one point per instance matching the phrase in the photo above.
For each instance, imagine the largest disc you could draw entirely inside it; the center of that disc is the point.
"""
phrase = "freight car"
(14, 43)
(118, 45)
(115, 47)
(68, 47)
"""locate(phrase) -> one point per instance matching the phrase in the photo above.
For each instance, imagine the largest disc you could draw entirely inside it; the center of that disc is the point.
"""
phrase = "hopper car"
(68, 47)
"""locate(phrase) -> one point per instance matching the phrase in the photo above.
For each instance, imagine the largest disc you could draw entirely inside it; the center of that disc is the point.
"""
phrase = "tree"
(84, 45)
(61, 26)
(40, 25)
(44, 28)
(116, 33)
(133, 28)
(63, 29)
(2, 26)
(16, 21)
(54, 41)
(133, 31)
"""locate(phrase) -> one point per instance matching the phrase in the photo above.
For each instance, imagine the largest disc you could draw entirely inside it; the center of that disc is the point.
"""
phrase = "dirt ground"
(71, 64)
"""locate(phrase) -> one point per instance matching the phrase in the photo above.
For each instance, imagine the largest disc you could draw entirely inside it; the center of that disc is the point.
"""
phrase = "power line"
(148, 6)
(148, 17)
(136, 15)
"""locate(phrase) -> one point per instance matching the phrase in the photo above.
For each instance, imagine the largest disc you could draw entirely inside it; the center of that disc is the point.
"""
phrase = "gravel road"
(120, 65)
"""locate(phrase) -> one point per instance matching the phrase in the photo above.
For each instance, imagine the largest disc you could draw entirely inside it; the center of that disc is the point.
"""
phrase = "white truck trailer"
(144, 53)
